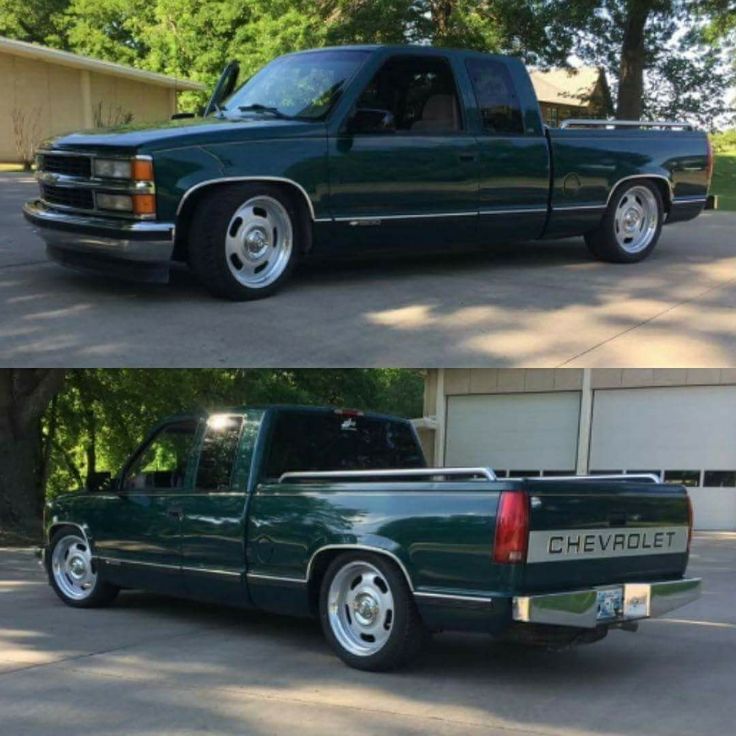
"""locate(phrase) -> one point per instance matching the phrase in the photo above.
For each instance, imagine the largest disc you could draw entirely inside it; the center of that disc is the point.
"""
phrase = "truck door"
(137, 530)
(514, 169)
(213, 515)
(403, 166)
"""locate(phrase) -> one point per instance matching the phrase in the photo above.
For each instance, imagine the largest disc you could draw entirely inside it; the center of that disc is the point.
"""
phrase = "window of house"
(556, 473)
(553, 117)
(524, 473)
(719, 478)
(419, 92)
(689, 478)
(496, 96)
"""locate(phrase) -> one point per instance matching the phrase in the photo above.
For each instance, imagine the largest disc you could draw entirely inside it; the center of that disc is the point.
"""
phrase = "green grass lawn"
(724, 180)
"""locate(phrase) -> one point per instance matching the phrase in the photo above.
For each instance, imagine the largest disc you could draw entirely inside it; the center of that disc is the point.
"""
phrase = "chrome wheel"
(259, 242)
(636, 219)
(71, 566)
(360, 608)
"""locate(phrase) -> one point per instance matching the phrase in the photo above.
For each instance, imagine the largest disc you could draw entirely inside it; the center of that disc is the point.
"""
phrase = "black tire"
(101, 593)
(407, 633)
(208, 231)
(603, 243)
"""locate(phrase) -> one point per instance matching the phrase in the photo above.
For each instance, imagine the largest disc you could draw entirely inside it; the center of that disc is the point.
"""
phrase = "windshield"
(300, 86)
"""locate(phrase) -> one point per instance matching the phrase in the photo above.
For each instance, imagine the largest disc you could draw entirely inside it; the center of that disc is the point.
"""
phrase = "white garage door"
(688, 431)
(513, 432)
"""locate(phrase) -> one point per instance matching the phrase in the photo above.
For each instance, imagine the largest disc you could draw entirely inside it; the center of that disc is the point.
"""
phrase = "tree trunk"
(633, 57)
(24, 397)
(441, 11)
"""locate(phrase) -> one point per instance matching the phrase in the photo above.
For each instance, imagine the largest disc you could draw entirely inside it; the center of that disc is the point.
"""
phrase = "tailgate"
(585, 533)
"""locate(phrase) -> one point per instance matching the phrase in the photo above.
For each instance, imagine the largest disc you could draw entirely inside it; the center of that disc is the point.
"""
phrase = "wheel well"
(69, 525)
(184, 217)
(322, 560)
(662, 186)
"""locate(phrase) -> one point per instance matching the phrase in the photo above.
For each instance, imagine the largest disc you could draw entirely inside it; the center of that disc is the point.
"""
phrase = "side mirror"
(100, 482)
(371, 120)
(224, 87)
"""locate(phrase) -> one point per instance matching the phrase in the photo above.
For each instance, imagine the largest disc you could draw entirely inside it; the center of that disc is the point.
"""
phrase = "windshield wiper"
(265, 108)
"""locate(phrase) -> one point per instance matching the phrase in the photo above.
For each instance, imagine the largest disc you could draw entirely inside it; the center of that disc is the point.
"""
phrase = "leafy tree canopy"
(100, 416)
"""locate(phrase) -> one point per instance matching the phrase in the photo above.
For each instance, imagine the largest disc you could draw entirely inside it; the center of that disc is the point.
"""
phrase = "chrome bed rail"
(643, 477)
(590, 123)
(402, 474)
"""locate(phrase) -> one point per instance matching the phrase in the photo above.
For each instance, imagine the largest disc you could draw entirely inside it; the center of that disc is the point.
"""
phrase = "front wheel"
(243, 241)
(631, 226)
(72, 572)
(368, 613)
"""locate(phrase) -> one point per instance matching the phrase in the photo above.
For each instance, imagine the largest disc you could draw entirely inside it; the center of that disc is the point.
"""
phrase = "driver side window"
(418, 93)
(162, 463)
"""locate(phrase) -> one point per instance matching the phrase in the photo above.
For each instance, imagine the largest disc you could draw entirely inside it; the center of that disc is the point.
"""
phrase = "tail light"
(690, 522)
(512, 528)
(709, 161)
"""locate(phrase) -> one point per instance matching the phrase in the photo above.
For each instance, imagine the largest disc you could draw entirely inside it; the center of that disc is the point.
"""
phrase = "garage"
(687, 434)
(517, 434)
(678, 424)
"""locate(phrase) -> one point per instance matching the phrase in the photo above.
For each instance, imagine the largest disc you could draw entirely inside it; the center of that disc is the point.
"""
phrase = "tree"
(36, 21)
(24, 398)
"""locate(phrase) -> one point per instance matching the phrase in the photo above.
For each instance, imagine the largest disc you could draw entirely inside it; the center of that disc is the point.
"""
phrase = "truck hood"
(180, 133)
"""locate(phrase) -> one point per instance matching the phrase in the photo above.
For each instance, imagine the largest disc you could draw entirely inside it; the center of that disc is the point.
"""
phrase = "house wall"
(62, 99)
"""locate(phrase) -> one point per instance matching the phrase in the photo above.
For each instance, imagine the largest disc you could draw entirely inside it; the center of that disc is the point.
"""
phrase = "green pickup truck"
(341, 150)
(332, 513)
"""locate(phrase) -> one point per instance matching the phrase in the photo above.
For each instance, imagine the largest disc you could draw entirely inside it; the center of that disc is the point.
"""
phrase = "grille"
(79, 198)
(67, 165)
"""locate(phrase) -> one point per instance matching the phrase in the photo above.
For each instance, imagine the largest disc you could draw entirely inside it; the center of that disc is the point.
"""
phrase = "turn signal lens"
(512, 528)
(142, 169)
(144, 204)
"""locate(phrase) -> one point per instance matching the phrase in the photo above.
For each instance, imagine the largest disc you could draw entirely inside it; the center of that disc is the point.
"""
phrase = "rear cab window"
(496, 95)
(322, 441)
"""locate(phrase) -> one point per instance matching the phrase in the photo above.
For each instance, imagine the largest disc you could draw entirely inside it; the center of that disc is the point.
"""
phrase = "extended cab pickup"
(344, 149)
(316, 511)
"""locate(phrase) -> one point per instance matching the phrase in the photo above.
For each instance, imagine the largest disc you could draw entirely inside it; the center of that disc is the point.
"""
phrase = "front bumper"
(579, 608)
(130, 248)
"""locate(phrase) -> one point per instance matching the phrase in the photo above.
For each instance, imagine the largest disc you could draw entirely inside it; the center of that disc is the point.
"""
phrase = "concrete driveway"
(149, 665)
(541, 304)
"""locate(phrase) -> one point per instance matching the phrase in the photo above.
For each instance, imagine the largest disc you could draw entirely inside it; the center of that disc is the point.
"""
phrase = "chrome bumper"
(142, 242)
(579, 608)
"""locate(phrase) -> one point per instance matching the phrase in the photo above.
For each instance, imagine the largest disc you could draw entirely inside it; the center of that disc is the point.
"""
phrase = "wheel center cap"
(365, 609)
(77, 567)
(256, 243)
(631, 220)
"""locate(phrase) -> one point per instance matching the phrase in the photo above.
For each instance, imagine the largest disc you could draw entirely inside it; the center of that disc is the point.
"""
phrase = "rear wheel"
(631, 226)
(243, 240)
(368, 613)
(72, 572)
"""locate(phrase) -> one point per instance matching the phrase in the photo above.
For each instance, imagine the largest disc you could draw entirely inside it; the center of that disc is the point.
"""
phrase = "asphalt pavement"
(150, 665)
(534, 305)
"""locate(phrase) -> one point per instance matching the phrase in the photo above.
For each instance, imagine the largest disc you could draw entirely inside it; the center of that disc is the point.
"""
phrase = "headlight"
(111, 168)
(115, 202)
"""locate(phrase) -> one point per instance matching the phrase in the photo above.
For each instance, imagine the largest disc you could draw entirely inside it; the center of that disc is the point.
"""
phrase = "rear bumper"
(579, 608)
(128, 248)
